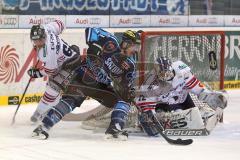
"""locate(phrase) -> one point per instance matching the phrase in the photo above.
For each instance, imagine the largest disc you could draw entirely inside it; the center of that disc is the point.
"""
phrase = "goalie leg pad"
(65, 106)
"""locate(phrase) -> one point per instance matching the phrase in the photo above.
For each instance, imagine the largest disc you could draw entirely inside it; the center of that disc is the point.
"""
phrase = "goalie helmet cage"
(192, 47)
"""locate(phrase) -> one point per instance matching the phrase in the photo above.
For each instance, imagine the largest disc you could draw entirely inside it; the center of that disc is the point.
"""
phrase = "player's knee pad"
(147, 123)
(120, 113)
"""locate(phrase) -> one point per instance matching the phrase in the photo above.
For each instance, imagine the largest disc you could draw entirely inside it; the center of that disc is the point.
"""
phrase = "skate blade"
(39, 136)
(119, 138)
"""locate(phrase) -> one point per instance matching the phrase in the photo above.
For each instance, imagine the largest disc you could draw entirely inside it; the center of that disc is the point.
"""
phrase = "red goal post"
(192, 47)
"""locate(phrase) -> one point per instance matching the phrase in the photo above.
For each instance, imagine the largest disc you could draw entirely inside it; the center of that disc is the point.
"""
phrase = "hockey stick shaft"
(20, 102)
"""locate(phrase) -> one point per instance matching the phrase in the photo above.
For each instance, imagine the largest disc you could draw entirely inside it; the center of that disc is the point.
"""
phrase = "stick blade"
(180, 142)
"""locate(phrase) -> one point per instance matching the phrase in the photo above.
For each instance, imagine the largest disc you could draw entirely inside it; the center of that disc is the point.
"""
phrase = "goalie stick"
(169, 140)
(19, 104)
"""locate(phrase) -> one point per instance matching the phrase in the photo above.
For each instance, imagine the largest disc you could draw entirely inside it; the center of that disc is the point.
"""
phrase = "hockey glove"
(213, 99)
(34, 73)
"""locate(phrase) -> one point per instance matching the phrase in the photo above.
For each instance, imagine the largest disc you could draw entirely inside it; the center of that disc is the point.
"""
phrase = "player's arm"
(92, 40)
(99, 41)
(56, 27)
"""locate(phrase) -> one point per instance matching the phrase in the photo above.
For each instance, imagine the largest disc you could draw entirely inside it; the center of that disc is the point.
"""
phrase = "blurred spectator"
(1, 5)
(208, 6)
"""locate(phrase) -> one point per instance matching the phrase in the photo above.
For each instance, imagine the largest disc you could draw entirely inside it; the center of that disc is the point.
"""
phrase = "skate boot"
(115, 132)
(40, 132)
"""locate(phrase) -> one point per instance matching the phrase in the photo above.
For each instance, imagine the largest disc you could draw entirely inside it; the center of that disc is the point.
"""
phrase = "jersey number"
(67, 51)
(141, 98)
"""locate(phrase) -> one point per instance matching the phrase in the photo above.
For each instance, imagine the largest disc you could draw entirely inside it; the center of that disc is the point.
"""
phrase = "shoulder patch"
(182, 66)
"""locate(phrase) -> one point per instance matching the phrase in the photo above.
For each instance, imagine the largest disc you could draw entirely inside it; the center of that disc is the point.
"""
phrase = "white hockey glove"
(213, 98)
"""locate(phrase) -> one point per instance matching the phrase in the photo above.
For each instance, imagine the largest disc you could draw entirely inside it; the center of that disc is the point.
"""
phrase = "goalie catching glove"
(34, 73)
(213, 98)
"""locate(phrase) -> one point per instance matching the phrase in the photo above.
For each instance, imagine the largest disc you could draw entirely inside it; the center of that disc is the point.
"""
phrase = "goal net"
(192, 47)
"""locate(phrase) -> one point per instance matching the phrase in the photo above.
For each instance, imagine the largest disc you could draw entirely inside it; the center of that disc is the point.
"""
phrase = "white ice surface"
(69, 142)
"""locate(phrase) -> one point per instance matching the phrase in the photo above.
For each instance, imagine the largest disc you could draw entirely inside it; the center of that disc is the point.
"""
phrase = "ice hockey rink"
(68, 141)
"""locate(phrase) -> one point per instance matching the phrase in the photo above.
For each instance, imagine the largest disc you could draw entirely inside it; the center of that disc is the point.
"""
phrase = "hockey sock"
(119, 114)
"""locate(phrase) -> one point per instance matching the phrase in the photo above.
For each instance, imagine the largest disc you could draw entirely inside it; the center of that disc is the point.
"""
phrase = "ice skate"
(115, 132)
(40, 133)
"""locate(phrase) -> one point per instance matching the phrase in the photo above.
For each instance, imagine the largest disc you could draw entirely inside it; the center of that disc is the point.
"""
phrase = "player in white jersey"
(167, 87)
(52, 51)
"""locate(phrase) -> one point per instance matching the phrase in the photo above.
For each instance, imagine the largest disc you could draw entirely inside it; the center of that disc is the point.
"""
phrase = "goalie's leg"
(56, 113)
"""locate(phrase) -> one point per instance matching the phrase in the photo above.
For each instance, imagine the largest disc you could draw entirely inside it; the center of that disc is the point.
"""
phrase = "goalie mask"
(164, 69)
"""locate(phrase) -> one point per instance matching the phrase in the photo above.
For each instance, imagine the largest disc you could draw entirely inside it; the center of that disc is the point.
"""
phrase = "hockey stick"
(14, 116)
(169, 140)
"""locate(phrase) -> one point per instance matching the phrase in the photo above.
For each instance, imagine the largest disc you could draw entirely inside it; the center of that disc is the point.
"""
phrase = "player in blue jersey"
(116, 60)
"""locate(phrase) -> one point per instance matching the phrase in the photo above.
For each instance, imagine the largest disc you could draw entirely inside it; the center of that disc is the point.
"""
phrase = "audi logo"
(95, 20)
(8, 21)
(136, 20)
(48, 20)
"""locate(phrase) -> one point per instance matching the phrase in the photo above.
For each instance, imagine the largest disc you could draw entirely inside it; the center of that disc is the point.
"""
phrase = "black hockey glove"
(34, 73)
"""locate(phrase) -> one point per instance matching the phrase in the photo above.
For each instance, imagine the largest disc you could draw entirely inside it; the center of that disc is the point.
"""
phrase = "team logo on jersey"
(182, 66)
(113, 67)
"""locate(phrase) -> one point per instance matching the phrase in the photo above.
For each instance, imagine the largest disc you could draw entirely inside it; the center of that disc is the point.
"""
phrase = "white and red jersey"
(55, 51)
(175, 91)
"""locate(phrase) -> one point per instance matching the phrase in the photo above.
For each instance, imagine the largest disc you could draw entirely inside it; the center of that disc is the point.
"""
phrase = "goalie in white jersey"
(167, 87)
(52, 51)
